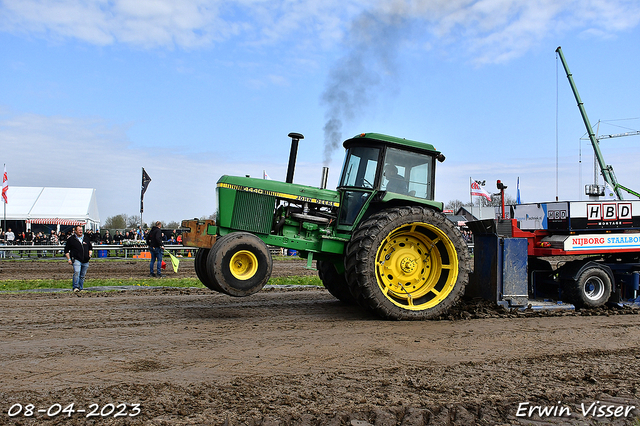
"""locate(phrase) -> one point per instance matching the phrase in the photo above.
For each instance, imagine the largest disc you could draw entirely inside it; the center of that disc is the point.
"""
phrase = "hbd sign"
(609, 211)
(557, 215)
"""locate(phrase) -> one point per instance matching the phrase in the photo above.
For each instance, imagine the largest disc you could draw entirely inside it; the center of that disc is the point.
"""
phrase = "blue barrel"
(102, 253)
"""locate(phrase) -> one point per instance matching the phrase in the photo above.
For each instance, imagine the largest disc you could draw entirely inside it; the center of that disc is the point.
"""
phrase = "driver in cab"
(396, 182)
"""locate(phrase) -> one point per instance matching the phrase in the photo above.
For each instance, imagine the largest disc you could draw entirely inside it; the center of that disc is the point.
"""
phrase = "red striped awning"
(56, 221)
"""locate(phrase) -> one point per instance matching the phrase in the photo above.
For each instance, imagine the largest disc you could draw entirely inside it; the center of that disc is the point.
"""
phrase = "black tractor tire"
(334, 282)
(590, 289)
(240, 263)
(407, 263)
(200, 265)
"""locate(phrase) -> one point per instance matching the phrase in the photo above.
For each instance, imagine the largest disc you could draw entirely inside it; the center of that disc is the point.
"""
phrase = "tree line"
(125, 221)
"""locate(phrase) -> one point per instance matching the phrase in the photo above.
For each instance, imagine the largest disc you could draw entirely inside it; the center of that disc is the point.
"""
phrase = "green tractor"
(379, 240)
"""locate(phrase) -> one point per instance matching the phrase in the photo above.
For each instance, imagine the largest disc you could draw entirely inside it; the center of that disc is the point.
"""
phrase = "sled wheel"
(590, 289)
(407, 263)
(334, 282)
(240, 263)
(200, 265)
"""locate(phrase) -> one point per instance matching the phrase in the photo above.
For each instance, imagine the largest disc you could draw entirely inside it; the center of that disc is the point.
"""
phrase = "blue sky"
(92, 91)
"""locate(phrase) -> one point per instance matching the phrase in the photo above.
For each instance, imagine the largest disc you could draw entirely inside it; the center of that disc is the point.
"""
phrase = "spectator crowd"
(96, 237)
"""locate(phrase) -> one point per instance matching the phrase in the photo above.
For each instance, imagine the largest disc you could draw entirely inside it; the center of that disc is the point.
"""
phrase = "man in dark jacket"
(154, 239)
(78, 251)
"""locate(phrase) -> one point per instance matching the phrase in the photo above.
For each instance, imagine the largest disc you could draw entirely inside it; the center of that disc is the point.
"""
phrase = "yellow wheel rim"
(416, 266)
(243, 265)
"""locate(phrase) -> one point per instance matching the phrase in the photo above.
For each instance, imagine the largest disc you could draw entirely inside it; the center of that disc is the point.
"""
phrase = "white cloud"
(489, 30)
(145, 23)
(494, 31)
(91, 153)
(168, 23)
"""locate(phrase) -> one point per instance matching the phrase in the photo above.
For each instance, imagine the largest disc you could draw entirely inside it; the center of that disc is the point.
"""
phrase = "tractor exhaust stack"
(325, 176)
(295, 138)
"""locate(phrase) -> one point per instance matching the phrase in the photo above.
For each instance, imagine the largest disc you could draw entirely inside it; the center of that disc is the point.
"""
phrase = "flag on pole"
(175, 262)
(5, 185)
(518, 194)
(145, 182)
(265, 175)
(479, 191)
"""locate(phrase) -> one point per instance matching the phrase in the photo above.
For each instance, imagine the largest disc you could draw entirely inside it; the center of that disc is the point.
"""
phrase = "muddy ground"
(194, 357)
(58, 269)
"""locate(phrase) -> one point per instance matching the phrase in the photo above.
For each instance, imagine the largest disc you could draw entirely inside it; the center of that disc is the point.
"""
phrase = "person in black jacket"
(154, 239)
(78, 251)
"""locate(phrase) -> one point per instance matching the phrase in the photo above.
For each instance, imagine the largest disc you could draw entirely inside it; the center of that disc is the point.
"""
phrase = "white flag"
(479, 191)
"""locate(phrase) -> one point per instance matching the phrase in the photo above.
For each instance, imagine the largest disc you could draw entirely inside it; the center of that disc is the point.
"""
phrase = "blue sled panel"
(514, 271)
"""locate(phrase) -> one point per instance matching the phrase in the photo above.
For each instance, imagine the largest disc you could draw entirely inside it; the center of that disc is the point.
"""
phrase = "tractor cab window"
(360, 167)
(359, 171)
(408, 173)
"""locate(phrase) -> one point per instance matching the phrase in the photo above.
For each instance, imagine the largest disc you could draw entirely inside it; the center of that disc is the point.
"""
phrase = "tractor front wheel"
(240, 263)
(200, 265)
(407, 263)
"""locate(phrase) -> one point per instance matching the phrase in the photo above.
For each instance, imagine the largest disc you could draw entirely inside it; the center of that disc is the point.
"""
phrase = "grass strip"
(303, 280)
(18, 285)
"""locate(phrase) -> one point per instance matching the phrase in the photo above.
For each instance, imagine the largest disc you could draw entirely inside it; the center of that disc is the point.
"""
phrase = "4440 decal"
(277, 194)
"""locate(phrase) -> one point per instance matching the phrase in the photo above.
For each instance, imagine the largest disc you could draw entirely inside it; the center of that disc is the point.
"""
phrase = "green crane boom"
(607, 170)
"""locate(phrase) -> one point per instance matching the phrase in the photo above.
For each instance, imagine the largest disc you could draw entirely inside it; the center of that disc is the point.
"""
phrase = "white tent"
(57, 206)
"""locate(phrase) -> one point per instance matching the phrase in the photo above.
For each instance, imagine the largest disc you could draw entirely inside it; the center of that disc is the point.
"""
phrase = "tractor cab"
(381, 168)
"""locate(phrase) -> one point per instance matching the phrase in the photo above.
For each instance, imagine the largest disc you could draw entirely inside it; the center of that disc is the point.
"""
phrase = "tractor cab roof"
(391, 140)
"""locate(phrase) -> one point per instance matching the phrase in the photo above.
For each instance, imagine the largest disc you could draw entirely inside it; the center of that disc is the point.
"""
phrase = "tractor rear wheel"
(407, 263)
(334, 282)
(200, 265)
(240, 263)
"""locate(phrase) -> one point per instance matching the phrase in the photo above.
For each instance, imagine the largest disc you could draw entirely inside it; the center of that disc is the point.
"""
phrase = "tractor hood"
(288, 191)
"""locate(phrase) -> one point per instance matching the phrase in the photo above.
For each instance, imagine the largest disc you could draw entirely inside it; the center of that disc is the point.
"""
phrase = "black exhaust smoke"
(368, 68)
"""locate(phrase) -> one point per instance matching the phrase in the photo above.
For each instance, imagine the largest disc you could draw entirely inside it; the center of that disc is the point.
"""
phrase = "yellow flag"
(175, 262)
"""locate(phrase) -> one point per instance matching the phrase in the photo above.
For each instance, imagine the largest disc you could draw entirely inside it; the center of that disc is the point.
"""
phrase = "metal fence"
(99, 250)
